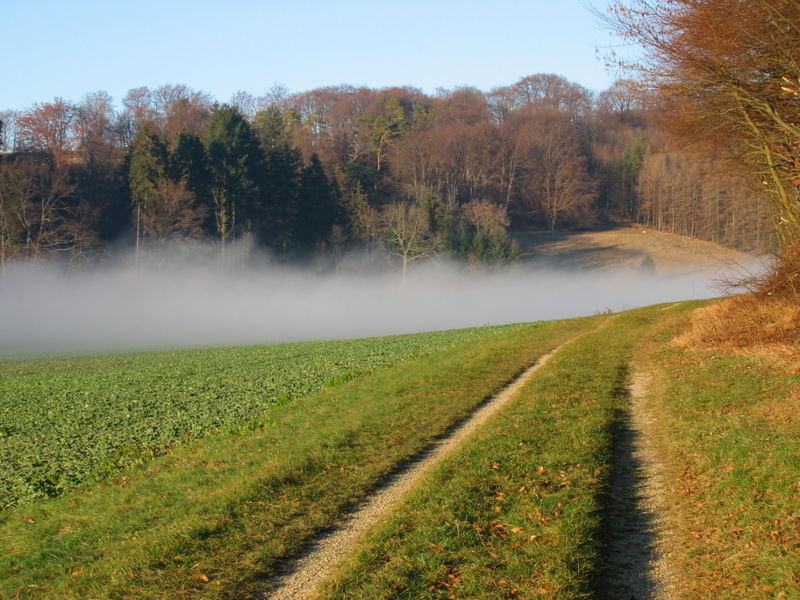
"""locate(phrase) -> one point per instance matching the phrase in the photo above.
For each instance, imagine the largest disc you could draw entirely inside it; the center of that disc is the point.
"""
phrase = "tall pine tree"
(147, 171)
(235, 163)
(317, 205)
(282, 179)
(188, 166)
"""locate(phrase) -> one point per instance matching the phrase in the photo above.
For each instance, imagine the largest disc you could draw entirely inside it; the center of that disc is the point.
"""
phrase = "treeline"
(320, 172)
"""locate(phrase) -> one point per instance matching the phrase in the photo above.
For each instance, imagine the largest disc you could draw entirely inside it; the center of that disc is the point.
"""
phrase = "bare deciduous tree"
(35, 212)
(487, 217)
(174, 212)
(557, 177)
(48, 128)
(406, 233)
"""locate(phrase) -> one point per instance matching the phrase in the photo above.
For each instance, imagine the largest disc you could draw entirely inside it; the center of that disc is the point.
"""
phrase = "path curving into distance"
(306, 573)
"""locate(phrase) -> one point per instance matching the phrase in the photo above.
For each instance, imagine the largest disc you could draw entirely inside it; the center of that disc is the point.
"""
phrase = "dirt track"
(637, 551)
(638, 539)
(305, 574)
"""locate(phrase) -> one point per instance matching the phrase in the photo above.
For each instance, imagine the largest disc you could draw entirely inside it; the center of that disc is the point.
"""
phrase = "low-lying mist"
(153, 304)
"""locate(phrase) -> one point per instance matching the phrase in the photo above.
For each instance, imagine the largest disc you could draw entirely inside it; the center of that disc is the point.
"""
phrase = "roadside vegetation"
(763, 324)
(729, 421)
(214, 518)
(728, 395)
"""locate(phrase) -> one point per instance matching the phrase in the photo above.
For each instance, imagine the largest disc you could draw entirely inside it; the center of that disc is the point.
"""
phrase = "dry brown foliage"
(764, 323)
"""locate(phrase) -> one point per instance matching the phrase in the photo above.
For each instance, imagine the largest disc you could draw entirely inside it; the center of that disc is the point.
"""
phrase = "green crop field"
(68, 421)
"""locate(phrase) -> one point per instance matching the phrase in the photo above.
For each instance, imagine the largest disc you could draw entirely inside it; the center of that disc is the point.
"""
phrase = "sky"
(54, 48)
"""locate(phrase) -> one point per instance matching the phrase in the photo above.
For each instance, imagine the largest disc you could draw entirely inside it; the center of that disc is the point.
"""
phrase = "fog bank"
(124, 306)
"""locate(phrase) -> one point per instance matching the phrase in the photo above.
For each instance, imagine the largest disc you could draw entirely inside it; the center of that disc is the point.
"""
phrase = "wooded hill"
(327, 170)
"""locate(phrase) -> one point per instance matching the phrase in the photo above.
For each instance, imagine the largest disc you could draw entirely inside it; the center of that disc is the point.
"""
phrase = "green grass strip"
(516, 511)
(730, 435)
(215, 518)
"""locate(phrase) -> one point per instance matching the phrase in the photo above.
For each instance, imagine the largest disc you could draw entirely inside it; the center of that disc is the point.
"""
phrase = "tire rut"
(636, 531)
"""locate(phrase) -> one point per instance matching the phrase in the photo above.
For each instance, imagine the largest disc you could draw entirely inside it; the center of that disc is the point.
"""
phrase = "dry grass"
(627, 247)
(727, 429)
(762, 327)
(763, 324)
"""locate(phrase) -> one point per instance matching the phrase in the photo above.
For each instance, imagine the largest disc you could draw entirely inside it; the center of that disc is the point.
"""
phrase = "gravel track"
(305, 574)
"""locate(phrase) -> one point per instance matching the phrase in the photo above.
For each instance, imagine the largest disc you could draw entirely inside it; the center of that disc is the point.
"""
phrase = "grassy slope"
(516, 511)
(215, 517)
(730, 434)
(626, 247)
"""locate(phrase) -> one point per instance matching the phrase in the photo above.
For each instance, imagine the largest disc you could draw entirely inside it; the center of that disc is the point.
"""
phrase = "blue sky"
(70, 48)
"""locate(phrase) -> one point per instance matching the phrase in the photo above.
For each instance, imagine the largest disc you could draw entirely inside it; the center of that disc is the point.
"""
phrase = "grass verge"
(515, 513)
(214, 518)
(730, 433)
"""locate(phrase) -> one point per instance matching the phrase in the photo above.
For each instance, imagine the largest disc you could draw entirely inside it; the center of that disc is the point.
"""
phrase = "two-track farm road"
(635, 565)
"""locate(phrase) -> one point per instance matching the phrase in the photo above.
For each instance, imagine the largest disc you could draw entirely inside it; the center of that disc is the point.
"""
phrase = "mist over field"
(193, 303)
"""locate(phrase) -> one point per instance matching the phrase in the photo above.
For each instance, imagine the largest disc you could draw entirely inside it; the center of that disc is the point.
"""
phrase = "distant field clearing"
(627, 247)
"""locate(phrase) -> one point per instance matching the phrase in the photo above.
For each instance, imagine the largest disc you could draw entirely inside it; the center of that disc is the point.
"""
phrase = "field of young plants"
(67, 421)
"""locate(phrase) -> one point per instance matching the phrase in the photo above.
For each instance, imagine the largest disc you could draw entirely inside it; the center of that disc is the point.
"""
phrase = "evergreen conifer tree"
(235, 164)
(283, 169)
(317, 205)
(188, 166)
(147, 171)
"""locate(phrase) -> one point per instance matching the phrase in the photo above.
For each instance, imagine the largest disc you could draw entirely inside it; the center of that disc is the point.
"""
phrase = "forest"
(392, 172)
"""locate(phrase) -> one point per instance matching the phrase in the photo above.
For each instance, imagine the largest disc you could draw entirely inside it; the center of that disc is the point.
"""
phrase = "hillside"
(626, 247)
